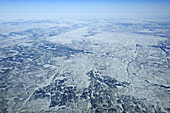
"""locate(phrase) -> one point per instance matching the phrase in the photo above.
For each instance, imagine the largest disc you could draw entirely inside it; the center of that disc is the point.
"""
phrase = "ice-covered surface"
(85, 65)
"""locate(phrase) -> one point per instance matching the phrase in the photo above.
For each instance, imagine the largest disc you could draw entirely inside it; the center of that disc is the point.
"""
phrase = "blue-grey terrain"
(92, 65)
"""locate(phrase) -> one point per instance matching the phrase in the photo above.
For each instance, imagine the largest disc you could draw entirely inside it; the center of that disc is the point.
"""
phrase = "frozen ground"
(85, 65)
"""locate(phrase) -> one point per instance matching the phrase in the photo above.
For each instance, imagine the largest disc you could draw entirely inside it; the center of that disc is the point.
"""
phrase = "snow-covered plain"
(85, 65)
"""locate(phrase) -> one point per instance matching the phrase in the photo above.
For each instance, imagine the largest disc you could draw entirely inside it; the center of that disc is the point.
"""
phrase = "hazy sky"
(47, 8)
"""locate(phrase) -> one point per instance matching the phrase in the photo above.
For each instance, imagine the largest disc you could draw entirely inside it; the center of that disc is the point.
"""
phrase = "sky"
(54, 8)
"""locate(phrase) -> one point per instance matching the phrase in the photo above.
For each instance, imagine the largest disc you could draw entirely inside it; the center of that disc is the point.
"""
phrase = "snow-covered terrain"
(96, 65)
